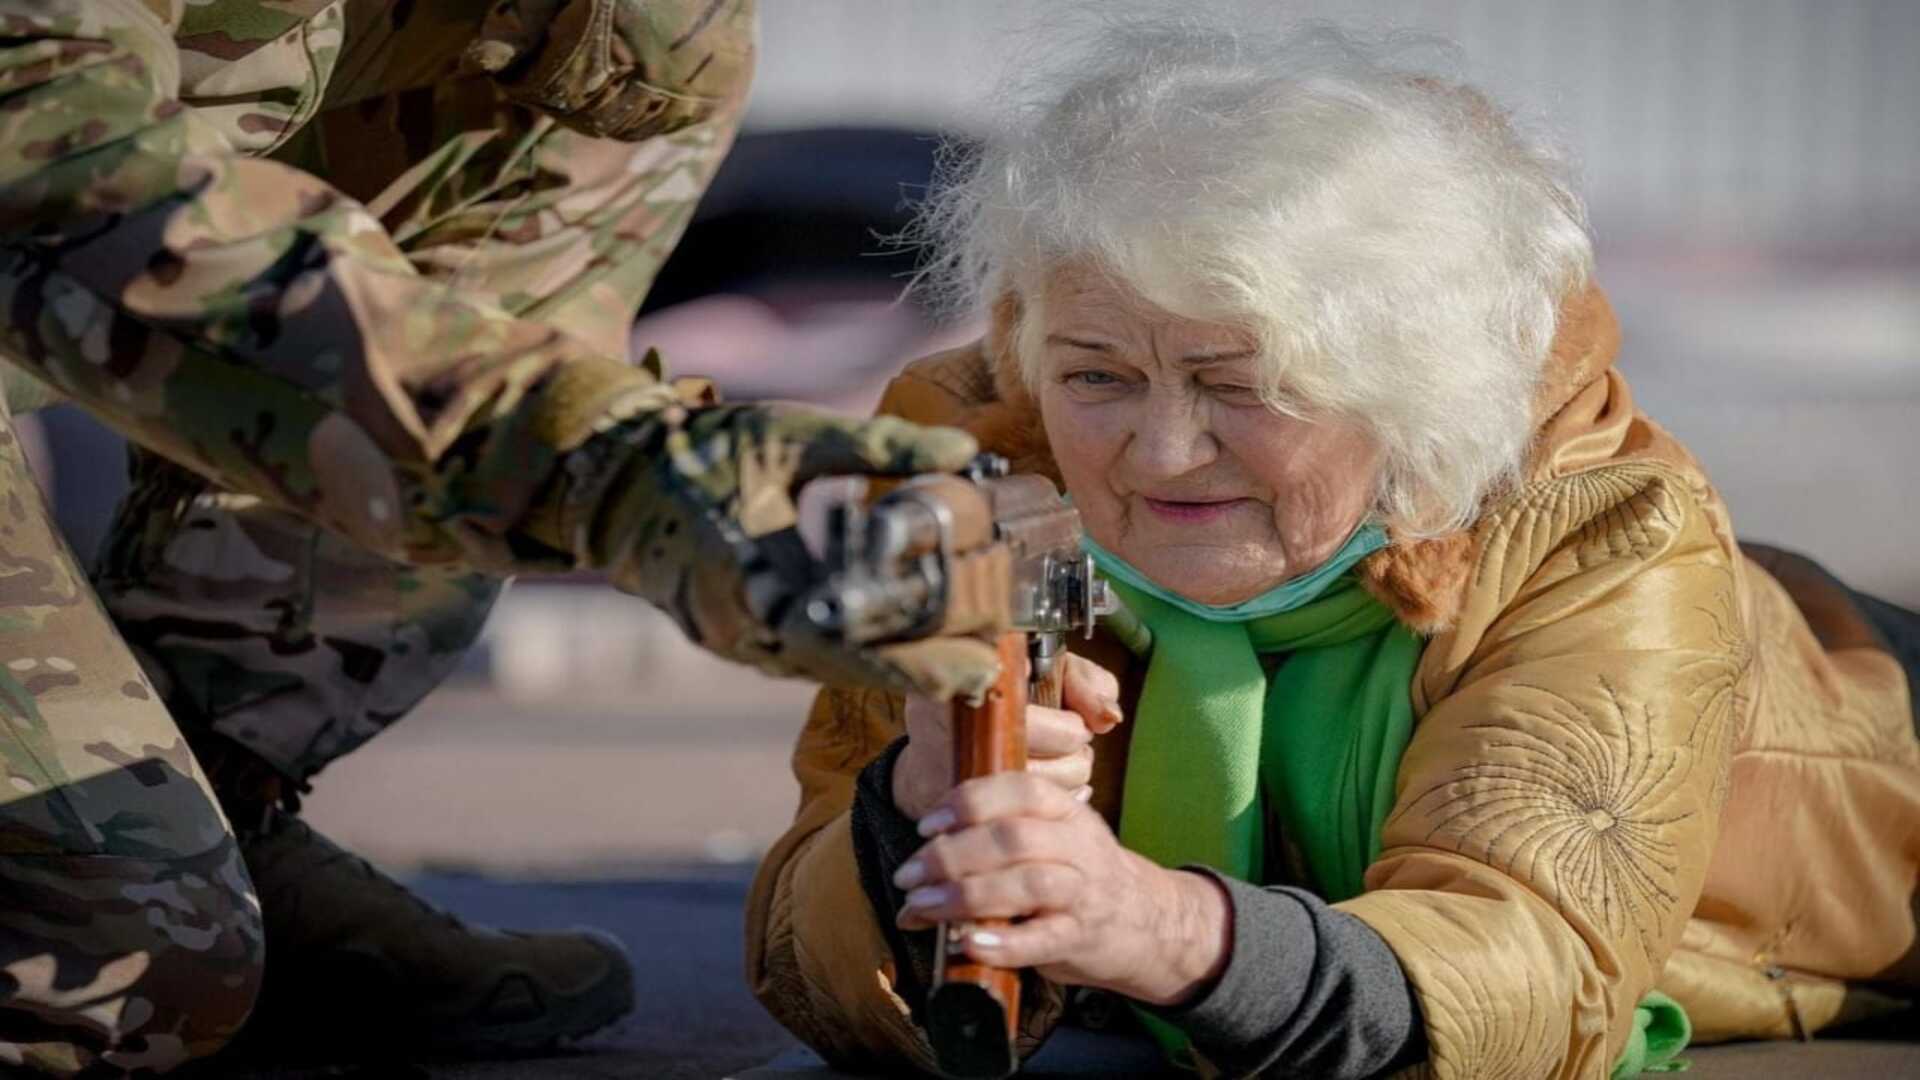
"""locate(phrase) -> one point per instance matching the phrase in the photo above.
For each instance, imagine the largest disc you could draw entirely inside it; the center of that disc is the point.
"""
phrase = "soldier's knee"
(206, 974)
(126, 965)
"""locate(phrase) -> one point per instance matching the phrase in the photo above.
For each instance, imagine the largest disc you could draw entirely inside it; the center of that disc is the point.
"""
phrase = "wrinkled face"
(1175, 463)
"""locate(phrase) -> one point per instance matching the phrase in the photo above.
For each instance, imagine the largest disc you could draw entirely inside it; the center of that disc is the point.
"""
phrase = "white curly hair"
(1397, 245)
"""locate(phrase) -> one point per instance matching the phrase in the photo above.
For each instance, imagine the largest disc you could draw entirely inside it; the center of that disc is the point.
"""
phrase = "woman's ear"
(1003, 351)
(1011, 425)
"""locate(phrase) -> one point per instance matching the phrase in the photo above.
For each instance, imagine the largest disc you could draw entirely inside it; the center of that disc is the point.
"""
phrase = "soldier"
(363, 400)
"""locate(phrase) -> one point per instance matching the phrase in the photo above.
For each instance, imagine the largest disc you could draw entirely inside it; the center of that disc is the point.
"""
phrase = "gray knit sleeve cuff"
(1308, 990)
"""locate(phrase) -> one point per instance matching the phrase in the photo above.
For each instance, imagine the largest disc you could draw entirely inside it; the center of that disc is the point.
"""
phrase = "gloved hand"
(619, 69)
(697, 514)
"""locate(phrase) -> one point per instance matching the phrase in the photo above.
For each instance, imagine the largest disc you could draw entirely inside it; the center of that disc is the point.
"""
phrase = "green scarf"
(1316, 748)
(1220, 749)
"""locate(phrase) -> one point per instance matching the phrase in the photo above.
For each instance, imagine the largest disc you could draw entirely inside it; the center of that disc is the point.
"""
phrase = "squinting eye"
(1234, 391)
(1093, 378)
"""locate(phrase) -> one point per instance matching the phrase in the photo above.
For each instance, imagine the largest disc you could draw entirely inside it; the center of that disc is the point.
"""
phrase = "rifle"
(983, 553)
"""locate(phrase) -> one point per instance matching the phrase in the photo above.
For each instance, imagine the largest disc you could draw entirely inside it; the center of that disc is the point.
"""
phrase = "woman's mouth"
(1190, 512)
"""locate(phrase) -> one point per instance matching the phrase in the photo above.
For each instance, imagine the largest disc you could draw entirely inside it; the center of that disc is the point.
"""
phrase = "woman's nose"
(1173, 438)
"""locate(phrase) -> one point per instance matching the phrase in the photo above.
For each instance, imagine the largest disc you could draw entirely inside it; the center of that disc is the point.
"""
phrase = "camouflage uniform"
(296, 642)
(388, 390)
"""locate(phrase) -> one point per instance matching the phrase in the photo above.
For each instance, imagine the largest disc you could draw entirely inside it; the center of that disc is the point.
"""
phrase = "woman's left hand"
(1015, 846)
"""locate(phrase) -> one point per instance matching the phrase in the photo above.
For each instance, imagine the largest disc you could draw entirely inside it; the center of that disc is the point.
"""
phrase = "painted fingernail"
(927, 897)
(911, 873)
(937, 822)
(986, 939)
(1083, 793)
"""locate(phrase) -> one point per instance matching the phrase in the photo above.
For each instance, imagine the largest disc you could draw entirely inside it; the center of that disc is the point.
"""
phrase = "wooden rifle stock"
(982, 553)
(973, 1011)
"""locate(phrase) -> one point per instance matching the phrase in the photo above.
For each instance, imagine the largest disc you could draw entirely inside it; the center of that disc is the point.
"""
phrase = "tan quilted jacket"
(1638, 761)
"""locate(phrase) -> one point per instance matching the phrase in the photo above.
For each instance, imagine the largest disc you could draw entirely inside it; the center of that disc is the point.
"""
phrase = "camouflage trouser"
(130, 937)
(267, 629)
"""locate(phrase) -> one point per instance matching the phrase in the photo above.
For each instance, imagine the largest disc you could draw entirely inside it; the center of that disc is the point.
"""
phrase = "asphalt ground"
(696, 1020)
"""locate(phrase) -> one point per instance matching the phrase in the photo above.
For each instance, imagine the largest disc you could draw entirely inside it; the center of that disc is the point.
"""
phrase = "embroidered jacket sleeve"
(1558, 805)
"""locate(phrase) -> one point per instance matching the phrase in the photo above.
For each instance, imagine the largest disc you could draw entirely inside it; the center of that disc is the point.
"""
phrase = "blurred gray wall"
(1779, 119)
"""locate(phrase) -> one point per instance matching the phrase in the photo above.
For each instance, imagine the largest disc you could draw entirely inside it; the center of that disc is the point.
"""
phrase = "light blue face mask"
(1286, 596)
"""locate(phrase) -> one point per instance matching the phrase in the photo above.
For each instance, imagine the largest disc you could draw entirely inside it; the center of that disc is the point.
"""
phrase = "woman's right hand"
(1059, 741)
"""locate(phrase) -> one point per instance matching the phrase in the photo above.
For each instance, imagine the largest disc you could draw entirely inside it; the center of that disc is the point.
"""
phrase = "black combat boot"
(355, 962)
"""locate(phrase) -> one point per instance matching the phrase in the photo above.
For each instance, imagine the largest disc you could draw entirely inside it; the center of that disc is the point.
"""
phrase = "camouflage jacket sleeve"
(252, 323)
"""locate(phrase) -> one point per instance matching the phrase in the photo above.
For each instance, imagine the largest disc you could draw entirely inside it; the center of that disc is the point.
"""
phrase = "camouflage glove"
(618, 69)
(696, 513)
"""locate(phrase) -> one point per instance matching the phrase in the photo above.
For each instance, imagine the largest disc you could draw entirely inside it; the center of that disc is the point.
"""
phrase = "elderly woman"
(1455, 728)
